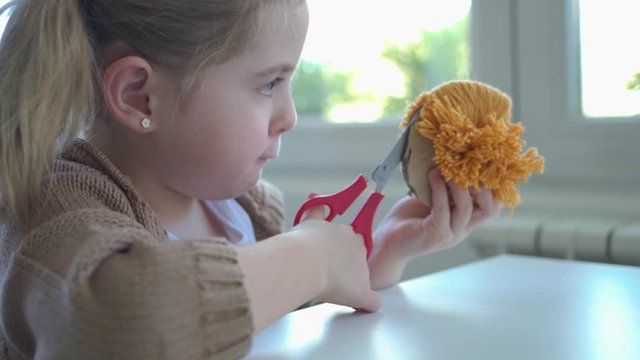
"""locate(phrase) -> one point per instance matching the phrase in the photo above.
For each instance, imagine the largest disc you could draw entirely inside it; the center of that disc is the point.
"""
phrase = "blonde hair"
(50, 65)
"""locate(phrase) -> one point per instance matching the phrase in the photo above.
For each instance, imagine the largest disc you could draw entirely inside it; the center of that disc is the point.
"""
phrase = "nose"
(284, 118)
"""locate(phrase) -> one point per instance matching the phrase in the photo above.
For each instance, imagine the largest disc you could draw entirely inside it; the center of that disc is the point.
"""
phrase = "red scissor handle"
(339, 202)
(363, 222)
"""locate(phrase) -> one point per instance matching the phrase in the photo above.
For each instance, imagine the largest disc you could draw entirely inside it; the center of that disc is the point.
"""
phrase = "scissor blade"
(383, 171)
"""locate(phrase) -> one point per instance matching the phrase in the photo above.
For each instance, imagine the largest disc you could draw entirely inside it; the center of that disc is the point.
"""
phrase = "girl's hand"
(343, 256)
(315, 260)
(412, 229)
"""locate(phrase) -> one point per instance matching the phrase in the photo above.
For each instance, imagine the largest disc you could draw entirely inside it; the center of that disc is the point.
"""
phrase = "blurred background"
(571, 68)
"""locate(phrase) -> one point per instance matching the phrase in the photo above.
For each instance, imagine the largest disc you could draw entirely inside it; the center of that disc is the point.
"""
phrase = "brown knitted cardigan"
(95, 277)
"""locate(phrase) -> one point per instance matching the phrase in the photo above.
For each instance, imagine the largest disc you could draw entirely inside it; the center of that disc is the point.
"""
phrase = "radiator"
(578, 239)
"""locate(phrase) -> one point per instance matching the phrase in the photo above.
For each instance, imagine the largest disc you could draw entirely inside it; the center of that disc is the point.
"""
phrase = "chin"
(245, 186)
(255, 180)
(234, 190)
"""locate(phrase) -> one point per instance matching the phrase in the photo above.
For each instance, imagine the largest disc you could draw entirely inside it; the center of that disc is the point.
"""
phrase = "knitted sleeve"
(93, 277)
(94, 284)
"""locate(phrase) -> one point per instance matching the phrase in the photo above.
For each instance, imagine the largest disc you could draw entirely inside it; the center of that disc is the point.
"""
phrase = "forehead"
(277, 43)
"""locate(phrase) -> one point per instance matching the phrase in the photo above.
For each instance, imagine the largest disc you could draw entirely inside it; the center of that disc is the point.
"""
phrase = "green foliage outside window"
(317, 88)
(435, 58)
(634, 84)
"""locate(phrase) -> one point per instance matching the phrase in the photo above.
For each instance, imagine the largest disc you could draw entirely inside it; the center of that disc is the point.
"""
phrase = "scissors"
(339, 202)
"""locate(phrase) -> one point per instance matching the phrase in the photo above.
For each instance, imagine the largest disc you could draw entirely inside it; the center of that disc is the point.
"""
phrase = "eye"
(267, 88)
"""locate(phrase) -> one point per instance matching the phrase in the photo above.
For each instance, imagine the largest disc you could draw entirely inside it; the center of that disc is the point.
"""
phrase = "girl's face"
(231, 124)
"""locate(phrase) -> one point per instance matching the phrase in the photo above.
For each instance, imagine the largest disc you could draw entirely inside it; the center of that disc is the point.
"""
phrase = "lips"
(268, 157)
(272, 151)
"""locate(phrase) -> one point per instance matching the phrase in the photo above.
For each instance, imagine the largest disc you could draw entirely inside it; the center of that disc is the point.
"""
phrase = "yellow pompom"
(473, 140)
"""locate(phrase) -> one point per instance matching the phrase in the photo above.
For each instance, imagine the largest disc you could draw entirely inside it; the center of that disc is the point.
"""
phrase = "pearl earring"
(146, 123)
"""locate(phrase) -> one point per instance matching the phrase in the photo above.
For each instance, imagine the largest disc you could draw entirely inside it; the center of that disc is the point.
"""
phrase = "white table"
(506, 307)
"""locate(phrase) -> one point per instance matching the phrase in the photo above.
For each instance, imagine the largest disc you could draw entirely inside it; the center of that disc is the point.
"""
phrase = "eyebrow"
(284, 67)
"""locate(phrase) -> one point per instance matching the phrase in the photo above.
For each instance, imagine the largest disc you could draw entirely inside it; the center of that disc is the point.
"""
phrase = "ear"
(126, 92)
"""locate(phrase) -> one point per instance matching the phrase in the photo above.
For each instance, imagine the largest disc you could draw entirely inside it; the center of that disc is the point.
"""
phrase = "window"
(542, 60)
(609, 58)
(363, 60)
(532, 51)
(4, 18)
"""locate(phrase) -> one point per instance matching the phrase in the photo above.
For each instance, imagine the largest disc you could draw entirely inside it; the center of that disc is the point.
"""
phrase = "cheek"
(231, 134)
(234, 146)
(218, 162)
(242, 153)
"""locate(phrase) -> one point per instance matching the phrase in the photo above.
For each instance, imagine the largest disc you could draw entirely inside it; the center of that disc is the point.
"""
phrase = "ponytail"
(46, 95)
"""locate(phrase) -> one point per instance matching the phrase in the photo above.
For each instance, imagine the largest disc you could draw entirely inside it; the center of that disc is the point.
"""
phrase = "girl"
(153, 235)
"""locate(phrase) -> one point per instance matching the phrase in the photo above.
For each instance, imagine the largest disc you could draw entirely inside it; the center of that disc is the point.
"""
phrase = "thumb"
(371, 302)
(314, 213)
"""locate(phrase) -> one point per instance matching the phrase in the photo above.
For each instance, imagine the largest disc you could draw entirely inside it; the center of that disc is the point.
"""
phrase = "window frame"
(530, 50)
(546, 89)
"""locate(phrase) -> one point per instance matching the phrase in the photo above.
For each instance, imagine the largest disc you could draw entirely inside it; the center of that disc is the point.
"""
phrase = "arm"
(316, 260)
(96, 283)
(412, 229)
(280, 263)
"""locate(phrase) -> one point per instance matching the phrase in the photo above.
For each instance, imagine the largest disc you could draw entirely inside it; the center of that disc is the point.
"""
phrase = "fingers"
(462, 209)
(488, 207)
(454, 213)
(440, 212)
(486, 202)
(370, 303)
(315, 213)
(463, 216)
(348, 281)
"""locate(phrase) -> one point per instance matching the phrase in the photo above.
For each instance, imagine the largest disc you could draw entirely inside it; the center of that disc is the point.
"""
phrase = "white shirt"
(234, 219)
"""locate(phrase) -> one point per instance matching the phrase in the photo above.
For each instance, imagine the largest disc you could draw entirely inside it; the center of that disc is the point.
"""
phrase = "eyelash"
(267, 88)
